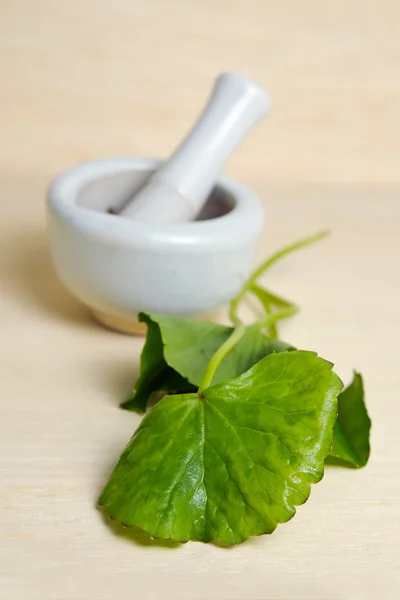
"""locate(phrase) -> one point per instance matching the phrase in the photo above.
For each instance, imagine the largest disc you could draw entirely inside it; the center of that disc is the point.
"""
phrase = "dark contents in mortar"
(216, 206)
(121, 187)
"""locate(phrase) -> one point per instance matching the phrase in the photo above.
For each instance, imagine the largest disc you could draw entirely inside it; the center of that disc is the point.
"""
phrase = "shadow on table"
(141, 538)
(135, 534)
(29, 274)
(116, 379)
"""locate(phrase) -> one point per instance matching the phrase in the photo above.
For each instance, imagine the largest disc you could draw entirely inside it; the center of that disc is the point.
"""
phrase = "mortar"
(119, 267)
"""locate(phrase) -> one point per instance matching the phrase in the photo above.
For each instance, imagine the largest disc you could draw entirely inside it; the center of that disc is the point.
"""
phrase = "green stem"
(233, 310)
(265, 296)
(234, 305)
(219, 356)
(284, 252)
(278, 316)
(272, 330)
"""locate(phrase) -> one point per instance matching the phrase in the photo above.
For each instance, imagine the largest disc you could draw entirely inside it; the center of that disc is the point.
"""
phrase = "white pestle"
(178, 190)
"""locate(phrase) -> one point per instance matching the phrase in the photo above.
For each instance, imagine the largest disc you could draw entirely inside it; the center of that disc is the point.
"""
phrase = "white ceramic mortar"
(119, 267)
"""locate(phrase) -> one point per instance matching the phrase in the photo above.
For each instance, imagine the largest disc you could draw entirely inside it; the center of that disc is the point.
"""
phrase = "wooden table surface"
(90, 78)
(61, 430)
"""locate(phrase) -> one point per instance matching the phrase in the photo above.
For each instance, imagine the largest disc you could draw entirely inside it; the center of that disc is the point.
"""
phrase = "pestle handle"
(180, 188)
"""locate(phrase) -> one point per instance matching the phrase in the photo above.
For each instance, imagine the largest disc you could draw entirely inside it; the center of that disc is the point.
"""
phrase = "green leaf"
(155, 374)
(233, 462)
(350, 445)
(177, 352)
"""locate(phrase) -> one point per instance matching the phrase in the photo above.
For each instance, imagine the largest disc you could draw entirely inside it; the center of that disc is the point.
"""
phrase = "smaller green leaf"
(350, 445)
(177, 352)
(155, 374)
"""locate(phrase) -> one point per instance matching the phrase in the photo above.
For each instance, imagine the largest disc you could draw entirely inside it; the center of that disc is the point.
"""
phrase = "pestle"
(178, 190)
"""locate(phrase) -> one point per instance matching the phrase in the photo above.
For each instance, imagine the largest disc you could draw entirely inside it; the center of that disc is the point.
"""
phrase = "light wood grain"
(61, 430)
(90, 78)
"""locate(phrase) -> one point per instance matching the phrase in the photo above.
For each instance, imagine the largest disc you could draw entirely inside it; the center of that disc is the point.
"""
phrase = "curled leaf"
(350, 446)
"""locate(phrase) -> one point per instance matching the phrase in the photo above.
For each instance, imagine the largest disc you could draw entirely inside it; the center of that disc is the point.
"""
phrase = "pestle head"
(179, 189)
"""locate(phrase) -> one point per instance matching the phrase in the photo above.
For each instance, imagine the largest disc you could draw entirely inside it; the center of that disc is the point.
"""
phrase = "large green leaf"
(233, 462)
(177, 352)
(350, 446)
